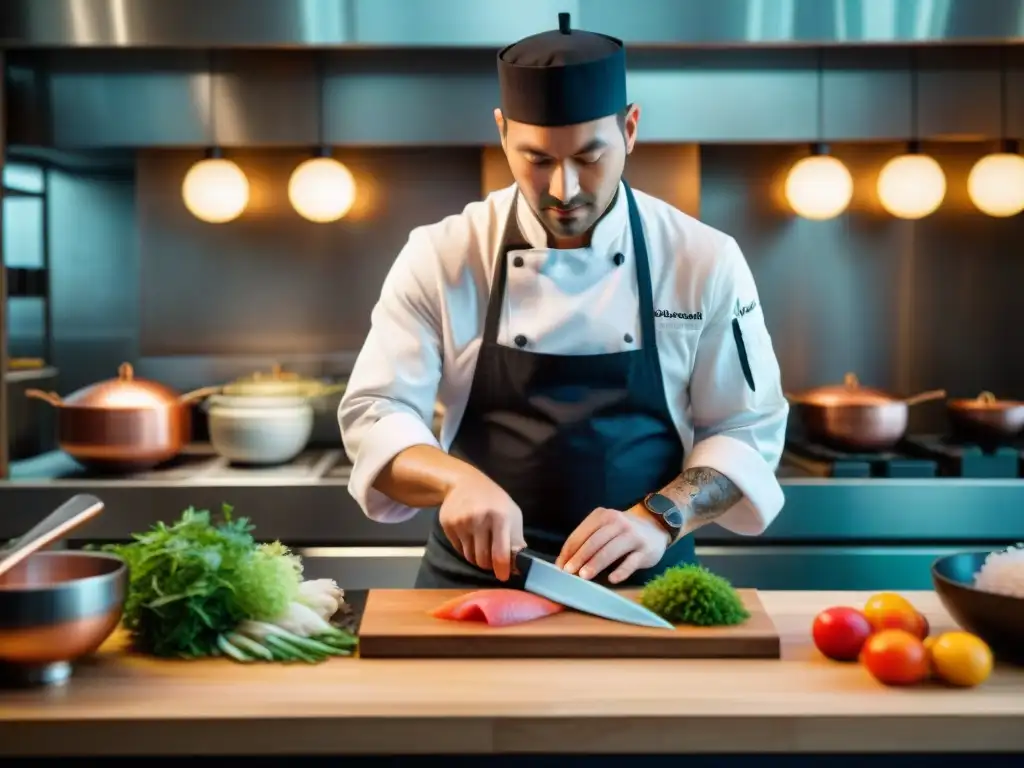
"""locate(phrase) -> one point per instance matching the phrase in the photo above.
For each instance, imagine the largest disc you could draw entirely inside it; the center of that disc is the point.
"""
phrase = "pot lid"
(124, 392)
(850, 392)
(257, 402)
(986, 401)
(276, 383)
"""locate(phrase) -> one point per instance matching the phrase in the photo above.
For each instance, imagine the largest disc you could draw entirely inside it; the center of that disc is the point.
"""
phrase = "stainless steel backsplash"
(907, 306)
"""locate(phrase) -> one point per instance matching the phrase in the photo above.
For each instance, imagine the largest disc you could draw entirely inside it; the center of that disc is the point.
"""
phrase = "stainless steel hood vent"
(100, 99)
(482, 24)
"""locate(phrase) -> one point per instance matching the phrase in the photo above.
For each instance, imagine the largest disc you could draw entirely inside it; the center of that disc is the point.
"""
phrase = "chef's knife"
(548, 580)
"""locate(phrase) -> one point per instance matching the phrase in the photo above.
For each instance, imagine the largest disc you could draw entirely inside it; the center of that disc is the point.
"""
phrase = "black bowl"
(996, 619)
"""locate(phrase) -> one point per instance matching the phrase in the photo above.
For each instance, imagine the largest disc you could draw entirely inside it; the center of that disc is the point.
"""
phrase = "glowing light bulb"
(321, 189)
(215, 190)
(911, 186)
(819, 187)
(996, 184)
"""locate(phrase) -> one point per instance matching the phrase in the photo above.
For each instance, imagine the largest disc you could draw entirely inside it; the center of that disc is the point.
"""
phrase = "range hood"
(189, 74)
(488, 24)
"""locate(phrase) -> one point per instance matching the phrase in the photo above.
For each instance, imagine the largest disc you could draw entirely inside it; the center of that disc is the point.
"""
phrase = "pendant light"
(215, 190)
(820, 186)
(996, 182)
(912, 185)
(321, 189)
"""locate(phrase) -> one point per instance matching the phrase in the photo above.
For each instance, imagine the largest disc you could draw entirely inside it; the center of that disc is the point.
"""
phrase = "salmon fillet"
(497, 607)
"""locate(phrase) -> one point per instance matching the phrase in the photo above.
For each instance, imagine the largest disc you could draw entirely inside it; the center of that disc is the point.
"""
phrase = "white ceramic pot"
(259, 430)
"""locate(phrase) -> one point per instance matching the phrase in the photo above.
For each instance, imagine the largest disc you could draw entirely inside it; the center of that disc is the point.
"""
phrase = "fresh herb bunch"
(691, 594)
(192, 581)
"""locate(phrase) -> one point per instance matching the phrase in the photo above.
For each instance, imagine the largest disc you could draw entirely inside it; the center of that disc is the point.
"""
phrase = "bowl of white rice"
(984, 593)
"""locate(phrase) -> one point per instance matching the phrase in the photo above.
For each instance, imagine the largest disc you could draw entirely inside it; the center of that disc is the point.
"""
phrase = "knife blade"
(548, 580)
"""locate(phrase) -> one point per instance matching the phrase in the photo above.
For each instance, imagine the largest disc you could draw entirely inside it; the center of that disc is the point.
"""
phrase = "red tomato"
(895, 657)
(840, 632)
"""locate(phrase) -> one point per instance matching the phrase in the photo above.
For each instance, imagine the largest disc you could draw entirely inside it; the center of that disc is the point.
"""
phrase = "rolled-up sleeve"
(388, 403)
(739, 411)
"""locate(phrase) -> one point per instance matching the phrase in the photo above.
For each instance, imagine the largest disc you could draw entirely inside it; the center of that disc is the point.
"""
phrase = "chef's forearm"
(421, 476)
(703, 495)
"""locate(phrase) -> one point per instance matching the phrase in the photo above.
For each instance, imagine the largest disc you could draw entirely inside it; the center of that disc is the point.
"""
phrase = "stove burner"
(824, 461)
(917, 456)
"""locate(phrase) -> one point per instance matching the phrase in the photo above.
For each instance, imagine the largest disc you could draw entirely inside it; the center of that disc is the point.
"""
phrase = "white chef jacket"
(427, 326)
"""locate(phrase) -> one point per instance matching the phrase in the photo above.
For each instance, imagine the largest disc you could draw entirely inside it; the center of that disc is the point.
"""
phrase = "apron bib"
(563, 434)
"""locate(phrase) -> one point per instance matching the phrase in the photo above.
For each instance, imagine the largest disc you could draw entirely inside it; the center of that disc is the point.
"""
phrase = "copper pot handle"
(198, 394)
(985, 397)
(48, 397)
(924, 397)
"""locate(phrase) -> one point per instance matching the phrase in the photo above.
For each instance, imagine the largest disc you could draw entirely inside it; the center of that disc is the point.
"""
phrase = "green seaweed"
(691, 594)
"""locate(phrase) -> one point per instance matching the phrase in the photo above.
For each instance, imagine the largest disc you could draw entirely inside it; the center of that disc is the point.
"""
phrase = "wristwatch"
(666, 512)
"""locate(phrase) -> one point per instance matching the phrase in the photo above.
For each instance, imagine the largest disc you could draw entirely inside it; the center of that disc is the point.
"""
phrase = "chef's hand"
(608, 535)
(482, 522)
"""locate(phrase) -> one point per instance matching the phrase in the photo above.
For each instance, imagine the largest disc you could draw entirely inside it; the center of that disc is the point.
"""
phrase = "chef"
(607, 381)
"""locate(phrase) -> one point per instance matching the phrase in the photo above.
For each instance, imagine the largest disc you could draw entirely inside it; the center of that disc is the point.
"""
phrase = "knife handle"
(520, 562)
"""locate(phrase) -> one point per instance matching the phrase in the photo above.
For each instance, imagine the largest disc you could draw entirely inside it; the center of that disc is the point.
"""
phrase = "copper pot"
(986, 417)
(855, 418)
(122, 424)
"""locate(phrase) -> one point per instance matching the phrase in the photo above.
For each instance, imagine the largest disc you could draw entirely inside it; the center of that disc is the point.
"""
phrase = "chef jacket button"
(520, 340)
(618, 259)
(518, 261)
(628, 338)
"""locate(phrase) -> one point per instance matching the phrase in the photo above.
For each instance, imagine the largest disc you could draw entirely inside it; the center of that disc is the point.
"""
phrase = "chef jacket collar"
(607, 234)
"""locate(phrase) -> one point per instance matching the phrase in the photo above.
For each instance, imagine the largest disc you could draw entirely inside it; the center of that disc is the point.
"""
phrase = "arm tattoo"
(702, 494)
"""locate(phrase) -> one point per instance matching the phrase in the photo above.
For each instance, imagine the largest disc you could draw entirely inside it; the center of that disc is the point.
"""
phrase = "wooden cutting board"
(397, 624)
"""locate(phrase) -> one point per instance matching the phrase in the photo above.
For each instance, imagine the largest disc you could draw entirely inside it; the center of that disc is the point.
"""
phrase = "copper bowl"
(55, 608)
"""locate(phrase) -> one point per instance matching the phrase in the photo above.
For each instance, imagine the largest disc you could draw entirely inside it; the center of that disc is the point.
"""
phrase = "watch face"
(673, 517)
(669, 512)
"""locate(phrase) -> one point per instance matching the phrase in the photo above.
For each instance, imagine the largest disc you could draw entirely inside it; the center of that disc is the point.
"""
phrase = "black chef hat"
(562, 77)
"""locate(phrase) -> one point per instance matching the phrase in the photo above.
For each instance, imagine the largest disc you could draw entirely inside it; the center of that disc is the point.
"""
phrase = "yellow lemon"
(961, 659)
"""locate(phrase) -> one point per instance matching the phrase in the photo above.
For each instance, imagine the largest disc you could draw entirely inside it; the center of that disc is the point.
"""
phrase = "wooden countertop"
(121, 704)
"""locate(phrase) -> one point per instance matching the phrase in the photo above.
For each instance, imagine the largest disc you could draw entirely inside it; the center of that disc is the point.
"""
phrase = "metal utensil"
(68, 516)
(548, 580)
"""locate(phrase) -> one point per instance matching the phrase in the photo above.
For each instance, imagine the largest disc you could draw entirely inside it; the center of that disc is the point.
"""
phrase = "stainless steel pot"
(856, 418)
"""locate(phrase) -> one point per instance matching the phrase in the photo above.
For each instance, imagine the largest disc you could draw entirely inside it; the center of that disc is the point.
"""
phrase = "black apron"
(563, 434)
